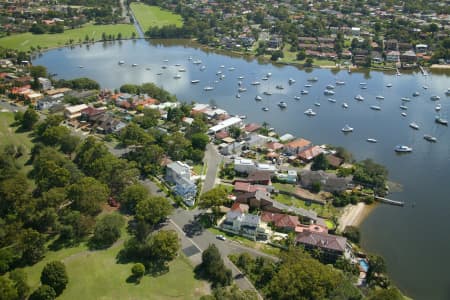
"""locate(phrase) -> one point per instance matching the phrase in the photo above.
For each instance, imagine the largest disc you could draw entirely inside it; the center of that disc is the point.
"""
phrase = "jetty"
(424, 72)
(386, 200)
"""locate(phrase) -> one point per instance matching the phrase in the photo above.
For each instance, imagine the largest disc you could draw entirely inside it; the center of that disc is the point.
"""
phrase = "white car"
(221, 237)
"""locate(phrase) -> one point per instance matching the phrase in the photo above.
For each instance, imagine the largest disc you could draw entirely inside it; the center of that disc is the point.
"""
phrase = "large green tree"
(153, 210)
(107, 231)
(213, 268)
(44, 292)
(54, 275)
(29, 119)
(131, 196)
(87, 195)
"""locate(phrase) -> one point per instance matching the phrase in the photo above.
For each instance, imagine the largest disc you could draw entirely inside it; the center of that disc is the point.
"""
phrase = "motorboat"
(182, 70)
(255, 83)
(379, 97)
(344, 105)
(222, 66)
(364, 87)
(425, 87)
(347, 128)
(280, 87)
(404, 114)
(258, 98)
(195, 81)
(402, 148)
(178, 76)
(202, 68)
(310, 112)
(416, 94)
(317, 104)
(389, 85)
(159, 73)
(190, 58)
(359, 98)
(166, 60)
(218, 72)
(121, 62)
(222, 76)
(406, 99)
(242, 89)
(81, 67)
(282, 104)
(197, 62)
(297, 97)
(267, 93)
(438, 107)
(238, 95)
(265, 78)
(371, 140)
(231, 69)
(414, 125)
(291, 80)
(308, 85)
(332, 100)
(208, 88)
(330, 87)
(134, 65)
(242, 117)
(447, 93)
(304, 92)
(441, 121)
(148, 69)
(241, 77)
(265, 109)
(435, 98)
(430, 138)
(375, 107)
(268, 74)
(329, 92)
(162, 67)
(338, 82)
(363, 83)
(313, 79)
(404, 107)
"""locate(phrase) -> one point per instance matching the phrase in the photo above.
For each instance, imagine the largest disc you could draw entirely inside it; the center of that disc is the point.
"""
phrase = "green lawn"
(96, 275)
(325, 211)
(24, 41)
(153, 16)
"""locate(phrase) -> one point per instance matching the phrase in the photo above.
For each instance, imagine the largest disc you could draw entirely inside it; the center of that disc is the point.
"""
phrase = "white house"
(243, 165)
(45, 83)
(393, 56)
(247, 225)
(233, 121)
(72, 112)
(421, 48)
(179, 174)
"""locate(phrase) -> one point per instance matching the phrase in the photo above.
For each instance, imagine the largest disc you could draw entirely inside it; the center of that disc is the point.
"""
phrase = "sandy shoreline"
(354, 215)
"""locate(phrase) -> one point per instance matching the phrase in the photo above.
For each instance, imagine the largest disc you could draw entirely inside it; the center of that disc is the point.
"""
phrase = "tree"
(87, 195)
(199, 141)
(301, 55)
(213, 198)
(163, 246)
(153, 210)
(69, 144)
(44, 292)
(320, 162)
(377, 266)
(213, 269)
(235, 132)
(138, 270)
(38, 71)
(309, 62)
(316, 186)
(29, 119)
(234, 293)
(7, 289)
(19, 278)
(385, 294)
(131, 196)
(54, 275)
(352, 233)
(107, 231)
(32, 246)
(276, 55)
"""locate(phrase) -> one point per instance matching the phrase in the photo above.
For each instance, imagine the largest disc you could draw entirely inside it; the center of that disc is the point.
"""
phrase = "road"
(212, 160)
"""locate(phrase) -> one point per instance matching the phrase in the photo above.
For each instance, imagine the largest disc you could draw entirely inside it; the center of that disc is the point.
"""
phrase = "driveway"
(212, 159)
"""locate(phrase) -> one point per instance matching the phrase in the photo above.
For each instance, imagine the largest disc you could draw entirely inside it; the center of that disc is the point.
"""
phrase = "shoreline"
(354, 215)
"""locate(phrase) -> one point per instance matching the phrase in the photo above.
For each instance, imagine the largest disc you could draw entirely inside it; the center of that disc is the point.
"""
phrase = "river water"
(412, 239)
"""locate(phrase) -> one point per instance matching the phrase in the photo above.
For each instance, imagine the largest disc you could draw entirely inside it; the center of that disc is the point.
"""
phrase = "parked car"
(221, 237)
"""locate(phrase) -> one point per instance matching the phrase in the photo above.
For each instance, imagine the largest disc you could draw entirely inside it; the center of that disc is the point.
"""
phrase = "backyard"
(153, 16)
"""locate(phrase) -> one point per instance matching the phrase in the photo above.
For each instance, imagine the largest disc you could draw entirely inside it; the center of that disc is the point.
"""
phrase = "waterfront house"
(45, 83)
(334, 161)
(282, 222)
(73, 112)
(179, 174)
(310, 153)
(332, 247)
(393, 56)
(408, 57)
(391, 44)
(421, 48)
(49, 101)
(244, 224)
(329, 182)
(225, 124)
(296, 146)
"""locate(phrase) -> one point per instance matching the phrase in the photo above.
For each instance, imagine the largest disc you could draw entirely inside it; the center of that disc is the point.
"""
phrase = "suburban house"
(310, 153)
(289, 177)
(282, 222)
(296, 146)
(393, 56)
(49, 101)
(179, 174)
(244, 224)
(106, 123)
(246, 187)
(45, 83)
(331, 246)
(247, 166)
(73, 112)
(421, 48)
(329, 182)
(233, 121)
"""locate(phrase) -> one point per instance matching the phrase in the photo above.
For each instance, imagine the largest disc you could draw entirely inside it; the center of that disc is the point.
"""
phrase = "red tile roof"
(310, 153)
(275, 146)
(298, 143)
(252, 127)
(280, 220)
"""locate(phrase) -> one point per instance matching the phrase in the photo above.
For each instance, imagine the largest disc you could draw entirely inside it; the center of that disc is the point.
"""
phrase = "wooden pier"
(387, 201)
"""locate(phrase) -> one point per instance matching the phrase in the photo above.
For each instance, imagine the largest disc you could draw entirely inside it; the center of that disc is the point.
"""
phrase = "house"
(356, 31)
(275, 42)
(106, 123)
(290, 177)
(232, 148)
(297, 146)
(49, 101)
(260, 176)
(244, 224)
(242, 208)
(421, 48)
(331, 246)
(274, 146)
(393, 56)
(310, 153)
(334, 161)
(243, 165)
(329, 182)
(391, 44)
(45, 83)
(72, 112)
(408, 57)
(179, 174)
(283, 222)
(246, 187)
(233, 121)
(377, 57)
(252, 127)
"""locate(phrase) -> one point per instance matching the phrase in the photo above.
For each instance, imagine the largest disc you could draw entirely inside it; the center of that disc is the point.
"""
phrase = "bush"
(315, 187)
(54, 275)
(107, 231)
(44, 292)
(138, 270)
(352, 233)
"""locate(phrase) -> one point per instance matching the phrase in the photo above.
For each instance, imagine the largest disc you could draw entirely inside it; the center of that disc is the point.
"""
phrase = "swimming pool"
(364, 265)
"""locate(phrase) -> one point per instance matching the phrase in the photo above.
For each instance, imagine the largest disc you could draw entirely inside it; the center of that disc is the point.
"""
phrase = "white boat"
(166, 60)
(268, 74)
(310, 112)
(178, 76)
(297, 97)
(182, 70)
(255, 83)
(265, 109)
(416, 94)
(267, 93)
(81, 67)
(371, 140)
(258, 98)
(291, 80)
(435, 98)
(208, 88)
(218, 72)
(363, 83)
(134, 65)
(121, 62)
(359, 97)
(379, 97)
(304, 92)
(238, 95)
(317, 104)
(195, 81)
(364, 87)
(242, 89)
(447, 93)
(313, 79)
(222, 76)
(441, 121)
(280, 87)
(265, 78)
(406, 99)
(242, 117)
(404, 114)
(344, 105)
(402, 148)
(438, 107)
(347, 128)
(430, 138)
(425, 87)
(414, 125)
(330, 87)
(332, 100)
(177, 65)
(190, 58)
(222, 66)
(389, 85)
(202, 68)
(241, 77)
(404, 107)
(308, 85)
(159, 73)
(375, 107)
(197, 62)
(231, 69)
(282, 104)
(329, 92)
(338, 82)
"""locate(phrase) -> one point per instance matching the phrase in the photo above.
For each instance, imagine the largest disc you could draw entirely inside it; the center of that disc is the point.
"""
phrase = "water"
(413, 238)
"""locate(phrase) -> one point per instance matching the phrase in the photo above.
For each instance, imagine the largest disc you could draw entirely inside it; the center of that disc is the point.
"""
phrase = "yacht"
(159, 73)
(202, 68)
(304, 92)
(242, 89)
(267, 93)
(317, 104)
(379, 97)
(404, 114)
(425, 87)
(291, 80)
(121, 62)
(347, 128)
(297, 97)
(330, 87)
(406, 99)
(197, 62)
(430, 138)
(241, 77)
(310, 112)
(363, 83)
(402, 148)
(416, 94)
(332, 100)
(282, 104)
(265, 78)
(435, 98)
(375, 107)
(208, 88)
(182, 70)
(81, 67)
(190, 58)
(265, 109)
(414, 125)
(258, 98)
(222, 76)
(255, 83)
(371, 140)
(441, 121)
(438, 107)
(404, 107)
(338, 82)
(359, 98)
(280, 87)
(364, 87)
(231, 69)
(238, 95)
(166, 60)
(218, 72)
(134, 65)
(389, 85)
(344, 105)
(177, 65)
(178, 76)
(308, 85)
(222, 66)
(268, 74)
(195, 81)
(447, 93)
(329, 92)
(313, 79)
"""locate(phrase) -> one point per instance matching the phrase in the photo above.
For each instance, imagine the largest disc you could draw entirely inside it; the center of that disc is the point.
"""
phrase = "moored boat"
(406, 99)
(416, 94)
(441, 121)
(379, 97)
(347, 128)
(313, 79)
(208, 88)
(435, 98)
(430, 138)
(291, 80)
(414, 125)
(389, 85)
(265, 109)
(359, 97)
(304, 92)
(404, 107)
(402, 148)
(282, 104)
(267, 93)
(195, 81)
(375, 107)
(332, 100)
(310, 112)
(255, 83)
(280, 87)
(438, 107)
(297, 97)
(329, 92)
(258, 98)
(344, 105)
(372, 140)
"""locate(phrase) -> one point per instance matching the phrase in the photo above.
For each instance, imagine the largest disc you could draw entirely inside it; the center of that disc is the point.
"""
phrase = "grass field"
(24, 41)
(151, 16)
(96, 275)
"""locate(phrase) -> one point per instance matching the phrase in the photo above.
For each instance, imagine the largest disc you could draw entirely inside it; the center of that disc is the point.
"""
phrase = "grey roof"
(322, 240)
(296, 210)
(251, 219)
